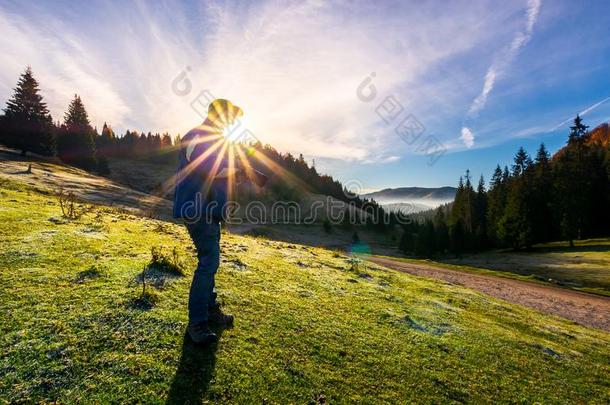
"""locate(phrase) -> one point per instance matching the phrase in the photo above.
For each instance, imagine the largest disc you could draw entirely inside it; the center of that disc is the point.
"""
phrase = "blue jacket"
(193, 198)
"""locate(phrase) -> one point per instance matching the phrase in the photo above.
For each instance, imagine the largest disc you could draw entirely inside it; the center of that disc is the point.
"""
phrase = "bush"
(354, 263)
(168, 263)
(69, 205)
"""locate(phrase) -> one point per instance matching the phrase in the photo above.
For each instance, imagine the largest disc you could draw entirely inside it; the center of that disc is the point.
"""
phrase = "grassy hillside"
(309, 328)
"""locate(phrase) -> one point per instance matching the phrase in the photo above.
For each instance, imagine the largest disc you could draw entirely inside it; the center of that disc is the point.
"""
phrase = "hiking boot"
(201, 334)
(217, 317)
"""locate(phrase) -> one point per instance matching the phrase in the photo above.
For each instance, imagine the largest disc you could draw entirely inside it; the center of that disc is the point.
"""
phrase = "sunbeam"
(280, 171)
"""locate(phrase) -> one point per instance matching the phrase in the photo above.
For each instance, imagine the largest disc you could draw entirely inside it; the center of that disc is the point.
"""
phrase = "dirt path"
(585, 309)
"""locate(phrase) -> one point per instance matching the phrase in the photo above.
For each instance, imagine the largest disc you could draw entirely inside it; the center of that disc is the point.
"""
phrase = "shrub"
(354, 263)
(168, 263)
(70, 208)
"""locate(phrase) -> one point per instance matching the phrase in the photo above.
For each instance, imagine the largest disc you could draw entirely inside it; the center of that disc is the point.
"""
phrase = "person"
(200, 198)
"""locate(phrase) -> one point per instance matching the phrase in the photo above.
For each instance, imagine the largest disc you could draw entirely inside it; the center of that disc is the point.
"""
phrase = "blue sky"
(483, 78)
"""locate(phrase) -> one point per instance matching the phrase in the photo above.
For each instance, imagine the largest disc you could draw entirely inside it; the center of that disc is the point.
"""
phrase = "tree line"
(564, 197)
(311, 181)
(28, 126)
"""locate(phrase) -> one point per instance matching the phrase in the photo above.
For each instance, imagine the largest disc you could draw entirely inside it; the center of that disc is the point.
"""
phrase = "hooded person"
(200, 197)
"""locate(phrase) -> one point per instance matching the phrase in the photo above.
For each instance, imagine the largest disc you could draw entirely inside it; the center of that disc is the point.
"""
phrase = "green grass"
(307, 326)
(585, 267)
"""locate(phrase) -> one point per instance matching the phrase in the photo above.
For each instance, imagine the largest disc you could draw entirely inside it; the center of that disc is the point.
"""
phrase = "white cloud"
(533, 9)
(467, 137)
(504, 58)
(391, 159)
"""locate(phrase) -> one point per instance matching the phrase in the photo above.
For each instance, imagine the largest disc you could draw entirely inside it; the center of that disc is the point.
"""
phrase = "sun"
(231, 132)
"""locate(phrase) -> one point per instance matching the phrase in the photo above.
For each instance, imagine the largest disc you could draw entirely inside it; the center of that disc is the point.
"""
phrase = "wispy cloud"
(64, 67)
(504, 58)
(583, 112)
(488, 85)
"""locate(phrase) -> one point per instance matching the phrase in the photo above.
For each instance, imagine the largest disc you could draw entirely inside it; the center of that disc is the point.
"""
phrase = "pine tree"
(505, 174)
(462, 211)
(458, 203)
(542, 157)
(406, 243)
(441, 231)
(496, 178)
(456, 233)
(496, 204)
(76, 117)
(27, 124)
(104, 148)
(522, 162)
(516, 225)
(166, 141)
(425, 244)
(460, 223)
(577, 131)
(542, 195)
(480, 215)
(76, 144)
(572, 176)
(468, 204)
(107, 134)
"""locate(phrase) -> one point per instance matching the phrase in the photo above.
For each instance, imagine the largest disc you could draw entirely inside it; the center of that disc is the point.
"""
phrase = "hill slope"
(598, 136)
(308, 328)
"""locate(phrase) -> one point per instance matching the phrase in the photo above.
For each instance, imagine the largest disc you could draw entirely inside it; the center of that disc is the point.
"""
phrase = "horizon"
(482, 79)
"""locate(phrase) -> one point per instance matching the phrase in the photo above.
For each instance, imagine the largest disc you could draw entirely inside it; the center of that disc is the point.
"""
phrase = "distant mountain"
(412, 193)
(412, 199)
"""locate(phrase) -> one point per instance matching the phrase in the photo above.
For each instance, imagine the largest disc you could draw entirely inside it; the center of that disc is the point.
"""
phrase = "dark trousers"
(202, 297)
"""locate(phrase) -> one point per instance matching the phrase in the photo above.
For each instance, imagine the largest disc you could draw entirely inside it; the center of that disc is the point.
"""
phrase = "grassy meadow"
(310, 327)
(585, 267)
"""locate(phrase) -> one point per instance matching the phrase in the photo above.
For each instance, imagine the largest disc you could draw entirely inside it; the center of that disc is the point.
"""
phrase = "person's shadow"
(196, 369)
